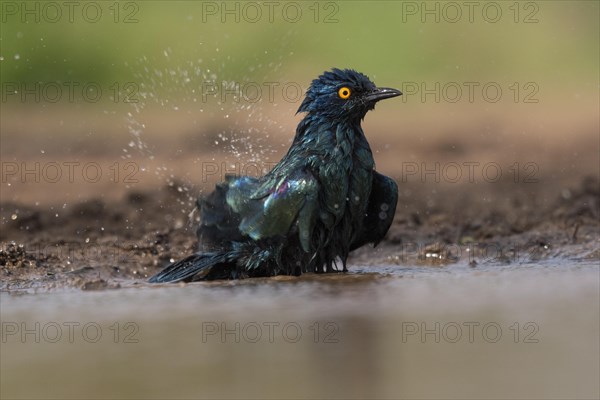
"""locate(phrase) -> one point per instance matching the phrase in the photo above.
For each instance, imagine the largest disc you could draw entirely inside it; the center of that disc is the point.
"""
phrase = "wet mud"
(98, 244)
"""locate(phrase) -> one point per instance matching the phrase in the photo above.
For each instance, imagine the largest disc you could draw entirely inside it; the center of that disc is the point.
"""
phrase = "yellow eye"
(344, 93)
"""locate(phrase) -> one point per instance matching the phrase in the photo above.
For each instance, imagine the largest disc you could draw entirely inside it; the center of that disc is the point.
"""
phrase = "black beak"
(382, 93)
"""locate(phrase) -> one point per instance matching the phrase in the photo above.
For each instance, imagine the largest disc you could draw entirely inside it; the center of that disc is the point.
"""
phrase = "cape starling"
(320, 202)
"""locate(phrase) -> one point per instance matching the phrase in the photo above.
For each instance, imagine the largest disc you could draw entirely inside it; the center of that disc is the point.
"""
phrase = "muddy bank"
(94, 245)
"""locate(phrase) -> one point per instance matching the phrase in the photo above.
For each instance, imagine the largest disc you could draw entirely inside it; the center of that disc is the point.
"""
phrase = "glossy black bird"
(320, 202)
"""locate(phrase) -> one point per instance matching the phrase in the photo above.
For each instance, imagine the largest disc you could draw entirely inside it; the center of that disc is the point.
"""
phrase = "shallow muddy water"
(377, 332)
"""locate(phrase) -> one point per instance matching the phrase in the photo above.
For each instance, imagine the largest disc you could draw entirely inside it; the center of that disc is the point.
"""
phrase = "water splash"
(178, 83)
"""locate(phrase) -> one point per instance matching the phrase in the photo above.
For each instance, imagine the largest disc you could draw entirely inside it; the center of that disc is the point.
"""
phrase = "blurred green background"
(554, 41)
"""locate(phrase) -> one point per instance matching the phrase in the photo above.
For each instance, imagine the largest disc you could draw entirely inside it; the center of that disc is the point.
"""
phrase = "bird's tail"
(198, 263)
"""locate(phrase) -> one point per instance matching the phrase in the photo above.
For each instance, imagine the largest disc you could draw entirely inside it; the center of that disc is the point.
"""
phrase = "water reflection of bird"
(320, 202)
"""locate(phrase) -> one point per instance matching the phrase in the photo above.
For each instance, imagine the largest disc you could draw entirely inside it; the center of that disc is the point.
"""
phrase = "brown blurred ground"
(545, 204)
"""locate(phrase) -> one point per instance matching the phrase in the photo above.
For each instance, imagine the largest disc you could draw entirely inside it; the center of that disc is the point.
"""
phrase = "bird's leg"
(333, 267)
(297, 271)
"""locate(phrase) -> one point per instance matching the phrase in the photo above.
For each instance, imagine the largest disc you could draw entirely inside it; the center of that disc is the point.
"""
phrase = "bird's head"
(343, 94)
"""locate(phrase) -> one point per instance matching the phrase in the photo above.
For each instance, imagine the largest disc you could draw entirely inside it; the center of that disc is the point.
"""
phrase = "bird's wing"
(269, 213)
(218, 223)
(380, 211)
